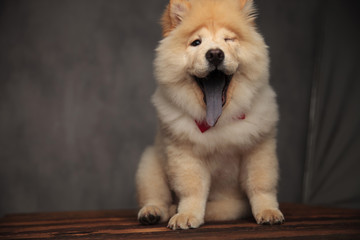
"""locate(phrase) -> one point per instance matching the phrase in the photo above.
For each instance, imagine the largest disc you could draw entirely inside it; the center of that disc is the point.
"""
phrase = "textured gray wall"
(76, 79)
(75, 84)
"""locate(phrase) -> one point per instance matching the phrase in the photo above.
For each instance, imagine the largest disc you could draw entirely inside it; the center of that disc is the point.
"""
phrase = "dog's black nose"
(215, 56)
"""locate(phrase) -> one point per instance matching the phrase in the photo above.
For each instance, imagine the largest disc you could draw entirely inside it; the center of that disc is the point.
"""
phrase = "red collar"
(203, 126)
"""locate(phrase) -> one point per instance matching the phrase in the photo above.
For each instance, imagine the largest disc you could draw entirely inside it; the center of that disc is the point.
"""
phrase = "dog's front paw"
(270, 217)
(149, 215)
(184, 221)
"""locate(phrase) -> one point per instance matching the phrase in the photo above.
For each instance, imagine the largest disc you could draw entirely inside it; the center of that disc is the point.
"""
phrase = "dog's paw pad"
(184, 221)
(270, 217)
(149, 215)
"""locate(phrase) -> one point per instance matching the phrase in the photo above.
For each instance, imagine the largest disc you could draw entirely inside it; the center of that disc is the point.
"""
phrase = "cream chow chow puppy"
(214, 155)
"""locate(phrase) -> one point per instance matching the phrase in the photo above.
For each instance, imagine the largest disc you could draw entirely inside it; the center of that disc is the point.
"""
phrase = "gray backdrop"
(76, 80)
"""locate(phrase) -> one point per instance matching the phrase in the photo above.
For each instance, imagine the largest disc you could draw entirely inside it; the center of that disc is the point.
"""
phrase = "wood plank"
(302, 222)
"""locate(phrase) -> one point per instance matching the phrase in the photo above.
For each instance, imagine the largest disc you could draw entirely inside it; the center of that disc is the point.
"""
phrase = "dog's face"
(209, 50)
(208, 44)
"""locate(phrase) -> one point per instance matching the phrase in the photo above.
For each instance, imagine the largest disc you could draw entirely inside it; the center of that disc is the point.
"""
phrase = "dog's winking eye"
(196, 42)
(229, 39)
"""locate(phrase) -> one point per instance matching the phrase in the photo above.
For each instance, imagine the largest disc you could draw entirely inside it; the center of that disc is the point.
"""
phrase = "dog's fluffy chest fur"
(230, 133)
(224, 169)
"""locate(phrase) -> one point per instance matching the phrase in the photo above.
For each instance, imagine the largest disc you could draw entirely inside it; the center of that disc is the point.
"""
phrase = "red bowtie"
(204, 126)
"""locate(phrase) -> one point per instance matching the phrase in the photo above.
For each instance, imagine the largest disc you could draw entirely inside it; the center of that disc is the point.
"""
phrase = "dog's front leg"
(190, 180)
(259, 177)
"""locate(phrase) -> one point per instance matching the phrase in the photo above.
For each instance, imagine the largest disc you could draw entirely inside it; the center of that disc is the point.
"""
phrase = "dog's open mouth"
(214, 87)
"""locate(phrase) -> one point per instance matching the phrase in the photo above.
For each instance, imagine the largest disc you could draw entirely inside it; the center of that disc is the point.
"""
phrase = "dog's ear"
(248, 8)
(174, 13)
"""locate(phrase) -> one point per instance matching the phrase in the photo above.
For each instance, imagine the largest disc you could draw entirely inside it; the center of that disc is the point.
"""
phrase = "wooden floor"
(302, 222)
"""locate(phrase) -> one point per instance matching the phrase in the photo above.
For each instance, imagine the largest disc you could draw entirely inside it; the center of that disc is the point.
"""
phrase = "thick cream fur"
(218, 174)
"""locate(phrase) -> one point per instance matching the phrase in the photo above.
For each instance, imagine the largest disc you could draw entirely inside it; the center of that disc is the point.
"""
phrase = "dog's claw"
(270, 217)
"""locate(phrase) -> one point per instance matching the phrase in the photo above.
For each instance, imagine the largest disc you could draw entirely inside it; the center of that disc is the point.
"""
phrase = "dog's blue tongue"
(213, 90)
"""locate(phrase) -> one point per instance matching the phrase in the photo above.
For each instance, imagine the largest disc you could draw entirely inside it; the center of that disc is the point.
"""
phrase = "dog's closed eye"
(229, 39)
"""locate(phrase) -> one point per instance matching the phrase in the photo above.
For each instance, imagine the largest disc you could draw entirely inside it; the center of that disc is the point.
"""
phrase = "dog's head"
(207, 44)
